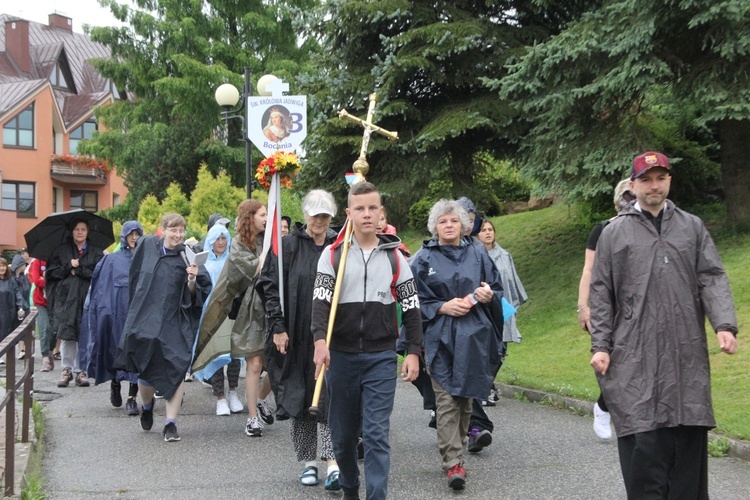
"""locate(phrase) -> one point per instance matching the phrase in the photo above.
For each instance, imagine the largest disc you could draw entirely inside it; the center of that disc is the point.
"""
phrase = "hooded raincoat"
(10, 302)
(462, 353)
(214, 265)
(107, 309)
(159, 332)
(650, 293)
(247, 336)
(513, 289)
(67, 287)
(293, 374)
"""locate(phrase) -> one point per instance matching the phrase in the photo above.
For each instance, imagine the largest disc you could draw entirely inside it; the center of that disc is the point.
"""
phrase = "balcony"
(79, 169)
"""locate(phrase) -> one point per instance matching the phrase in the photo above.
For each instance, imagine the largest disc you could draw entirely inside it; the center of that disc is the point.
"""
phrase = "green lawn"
(548, 247)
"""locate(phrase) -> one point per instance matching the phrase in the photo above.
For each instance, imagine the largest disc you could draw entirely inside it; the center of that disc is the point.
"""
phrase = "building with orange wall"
(49, 93)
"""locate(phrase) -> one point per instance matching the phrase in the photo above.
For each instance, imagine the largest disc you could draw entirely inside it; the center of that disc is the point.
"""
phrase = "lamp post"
(227, 96)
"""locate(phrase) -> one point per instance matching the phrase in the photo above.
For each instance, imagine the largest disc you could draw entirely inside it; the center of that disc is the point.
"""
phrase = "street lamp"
(227, 96)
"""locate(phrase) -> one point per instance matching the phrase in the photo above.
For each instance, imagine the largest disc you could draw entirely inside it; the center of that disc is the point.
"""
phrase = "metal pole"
(248, 92)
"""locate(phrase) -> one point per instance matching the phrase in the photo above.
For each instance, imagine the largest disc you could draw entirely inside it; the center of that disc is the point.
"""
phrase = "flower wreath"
(287, 165)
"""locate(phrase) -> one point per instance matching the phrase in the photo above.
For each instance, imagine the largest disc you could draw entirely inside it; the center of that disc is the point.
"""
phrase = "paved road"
(96, 451)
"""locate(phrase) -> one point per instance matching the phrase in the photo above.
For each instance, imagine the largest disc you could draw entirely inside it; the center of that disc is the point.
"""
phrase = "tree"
(175, 201)
(427, 61)
(171, 57)
(592, 94)
(150, 214)
(212, 195)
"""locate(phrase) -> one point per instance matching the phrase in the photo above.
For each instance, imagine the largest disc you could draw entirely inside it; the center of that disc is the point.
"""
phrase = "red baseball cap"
(646, 161)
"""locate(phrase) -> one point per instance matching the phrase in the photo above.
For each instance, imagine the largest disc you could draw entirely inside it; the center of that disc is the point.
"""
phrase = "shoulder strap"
(392, 258)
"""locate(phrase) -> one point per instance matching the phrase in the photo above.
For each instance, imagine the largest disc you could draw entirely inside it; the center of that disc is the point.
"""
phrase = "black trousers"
(668, 463)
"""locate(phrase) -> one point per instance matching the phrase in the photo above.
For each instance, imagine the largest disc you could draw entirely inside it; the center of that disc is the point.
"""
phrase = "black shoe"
(170, 433)
(114, 394)
(488, 402)
(131, 407)
(433, 420)
(147, 418)
(478, 440)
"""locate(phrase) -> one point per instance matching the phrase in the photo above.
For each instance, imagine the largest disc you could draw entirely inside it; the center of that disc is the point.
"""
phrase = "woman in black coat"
(68, 275)
(289, 345)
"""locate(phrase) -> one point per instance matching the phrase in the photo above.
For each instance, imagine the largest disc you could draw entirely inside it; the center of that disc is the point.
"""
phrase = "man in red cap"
(656, 276)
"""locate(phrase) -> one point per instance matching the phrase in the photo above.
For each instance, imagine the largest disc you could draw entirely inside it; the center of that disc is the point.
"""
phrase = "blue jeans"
(361, 389)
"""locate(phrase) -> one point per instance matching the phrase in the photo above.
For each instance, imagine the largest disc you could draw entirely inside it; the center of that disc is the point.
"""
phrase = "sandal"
(309, 476)
(332, 481)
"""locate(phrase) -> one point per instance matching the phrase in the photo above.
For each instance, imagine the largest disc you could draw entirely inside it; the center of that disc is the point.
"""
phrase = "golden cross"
(361, 166)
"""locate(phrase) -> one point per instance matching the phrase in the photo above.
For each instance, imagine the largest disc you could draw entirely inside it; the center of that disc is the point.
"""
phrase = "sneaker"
(479, 439)
(264, 411)
(254, 427)
(170, 433)
(309, 476)
(601, 423)
(131, 407)
(351, 494)
(147, 417)
(2, 360)
(65, 377)
(222, 407)
(21, 354)
(494, 395)
(457, 477)
(488, 402)
(332, 481)
(235, 405)
(189, 377)
(47, 366)
(114, 394)
(433, 420)
(82, 380)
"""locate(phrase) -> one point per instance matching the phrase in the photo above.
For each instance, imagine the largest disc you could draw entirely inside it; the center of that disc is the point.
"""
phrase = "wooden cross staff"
(361, 167)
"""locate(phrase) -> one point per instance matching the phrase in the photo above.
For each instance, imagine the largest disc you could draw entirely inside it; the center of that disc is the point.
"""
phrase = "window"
(87, 200)
(19, 130)
(19, 197)
(83, 131)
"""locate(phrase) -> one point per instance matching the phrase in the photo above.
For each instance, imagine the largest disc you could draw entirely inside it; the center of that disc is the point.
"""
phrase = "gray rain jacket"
(649, 296)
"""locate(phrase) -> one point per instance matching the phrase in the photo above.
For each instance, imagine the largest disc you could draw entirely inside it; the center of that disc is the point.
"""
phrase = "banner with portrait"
(277, 123)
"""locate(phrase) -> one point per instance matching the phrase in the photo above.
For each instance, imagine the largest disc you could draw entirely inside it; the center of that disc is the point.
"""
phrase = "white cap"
(319, 202)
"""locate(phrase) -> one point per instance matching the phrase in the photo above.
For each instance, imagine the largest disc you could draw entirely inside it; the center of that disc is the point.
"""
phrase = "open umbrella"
(56, 228)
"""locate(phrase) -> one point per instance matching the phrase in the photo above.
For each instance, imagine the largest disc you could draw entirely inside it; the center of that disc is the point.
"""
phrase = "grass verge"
(33, 488)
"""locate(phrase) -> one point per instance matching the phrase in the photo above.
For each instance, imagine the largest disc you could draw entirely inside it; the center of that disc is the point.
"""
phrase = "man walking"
(657, 275)
(362, 360)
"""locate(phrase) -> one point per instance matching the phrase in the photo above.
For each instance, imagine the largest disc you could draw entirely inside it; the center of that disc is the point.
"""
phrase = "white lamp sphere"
(263, 81)
(227, 95)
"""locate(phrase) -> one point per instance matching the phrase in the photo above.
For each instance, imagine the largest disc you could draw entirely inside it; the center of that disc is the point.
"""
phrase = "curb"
(737, 448)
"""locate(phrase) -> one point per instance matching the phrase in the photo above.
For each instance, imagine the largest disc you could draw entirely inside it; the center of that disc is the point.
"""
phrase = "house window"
(19, 197)
(83, 131)
(58, 78)
(87, 200)
(19, 130)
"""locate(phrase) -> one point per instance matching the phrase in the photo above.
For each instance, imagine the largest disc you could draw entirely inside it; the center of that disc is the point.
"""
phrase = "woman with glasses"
(622, 198)
(166, 299)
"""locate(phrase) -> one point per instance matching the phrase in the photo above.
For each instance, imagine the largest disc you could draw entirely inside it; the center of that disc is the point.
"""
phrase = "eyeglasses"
(176, 230)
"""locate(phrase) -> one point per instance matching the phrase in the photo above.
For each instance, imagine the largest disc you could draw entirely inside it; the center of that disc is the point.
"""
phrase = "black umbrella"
(56, 229)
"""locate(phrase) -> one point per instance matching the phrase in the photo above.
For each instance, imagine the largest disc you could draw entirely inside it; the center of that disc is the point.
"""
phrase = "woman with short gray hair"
(459, 294)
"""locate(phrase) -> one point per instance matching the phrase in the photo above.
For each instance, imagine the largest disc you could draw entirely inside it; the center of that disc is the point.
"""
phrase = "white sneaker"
(222, 408)
(234, 402)
(601, 423)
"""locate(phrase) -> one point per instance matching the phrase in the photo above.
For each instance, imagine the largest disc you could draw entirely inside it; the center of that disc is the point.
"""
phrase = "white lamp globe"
(263, 82)
(227, 95)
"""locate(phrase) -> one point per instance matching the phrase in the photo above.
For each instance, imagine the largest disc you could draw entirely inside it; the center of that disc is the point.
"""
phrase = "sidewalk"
(95, 451)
